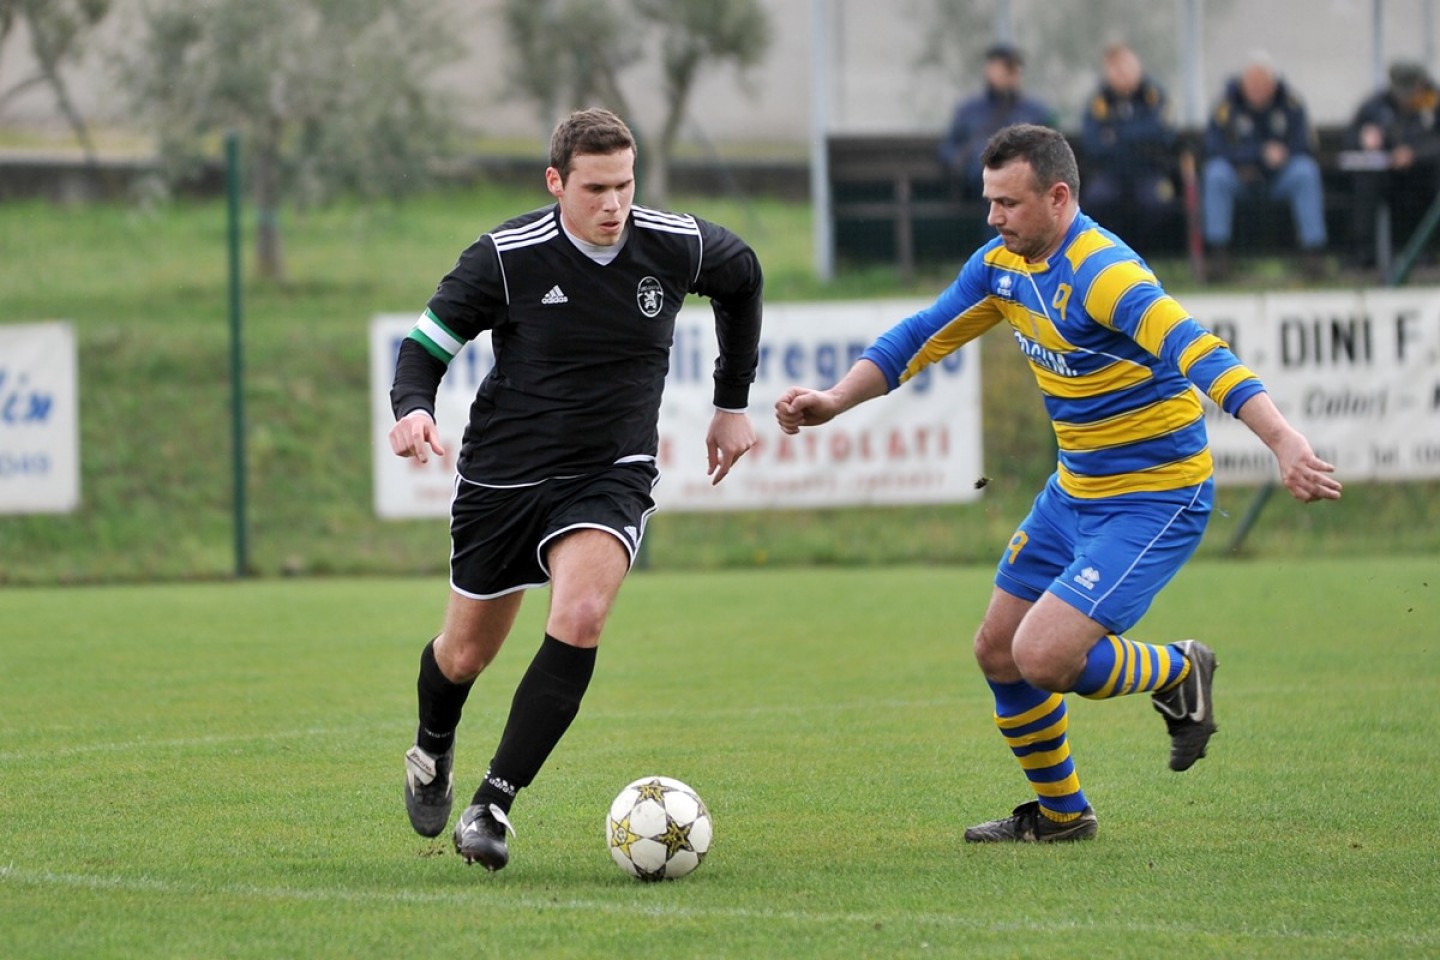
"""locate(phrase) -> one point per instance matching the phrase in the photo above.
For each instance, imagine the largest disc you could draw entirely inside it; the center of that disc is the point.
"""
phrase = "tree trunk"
(681, 78)
(49, 60)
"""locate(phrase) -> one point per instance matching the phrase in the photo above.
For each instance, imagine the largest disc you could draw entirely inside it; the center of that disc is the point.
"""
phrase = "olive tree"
(573, 53)
(57, 31)
(693, 36)
(327, 96)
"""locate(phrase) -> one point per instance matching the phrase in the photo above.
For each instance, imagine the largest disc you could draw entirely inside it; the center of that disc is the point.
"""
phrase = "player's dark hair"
(592, 131)
(1046, 150)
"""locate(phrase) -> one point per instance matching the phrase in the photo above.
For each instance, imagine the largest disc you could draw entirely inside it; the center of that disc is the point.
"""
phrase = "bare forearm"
(1306, 476)
(864, 381)
(1265, 420)
(805, 407)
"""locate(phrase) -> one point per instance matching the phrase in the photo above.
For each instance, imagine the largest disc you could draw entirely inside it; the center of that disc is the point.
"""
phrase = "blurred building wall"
(1324, 47)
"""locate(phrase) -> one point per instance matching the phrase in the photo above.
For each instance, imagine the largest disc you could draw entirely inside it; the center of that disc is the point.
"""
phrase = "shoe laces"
(420, 764)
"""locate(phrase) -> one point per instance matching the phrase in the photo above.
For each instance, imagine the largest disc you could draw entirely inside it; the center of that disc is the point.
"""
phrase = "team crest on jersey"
(651, 296)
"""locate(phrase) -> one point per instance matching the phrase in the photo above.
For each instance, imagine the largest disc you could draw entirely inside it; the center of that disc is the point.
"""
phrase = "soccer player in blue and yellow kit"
(1119, 363)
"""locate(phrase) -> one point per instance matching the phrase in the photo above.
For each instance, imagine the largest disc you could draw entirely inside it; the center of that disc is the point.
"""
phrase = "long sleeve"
(731, 277)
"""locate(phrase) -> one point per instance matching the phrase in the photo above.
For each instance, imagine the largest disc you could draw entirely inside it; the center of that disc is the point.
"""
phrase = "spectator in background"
(1397, 126)
(1129, 149)
(1258, 145)
(976, 118)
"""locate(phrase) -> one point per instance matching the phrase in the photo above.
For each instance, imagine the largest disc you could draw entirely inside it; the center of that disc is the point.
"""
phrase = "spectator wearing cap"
(976, 118)
(1129, 148)
(1259, 146)
(1397, 127)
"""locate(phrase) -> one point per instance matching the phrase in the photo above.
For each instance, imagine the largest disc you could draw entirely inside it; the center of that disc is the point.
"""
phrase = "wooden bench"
(892, 202)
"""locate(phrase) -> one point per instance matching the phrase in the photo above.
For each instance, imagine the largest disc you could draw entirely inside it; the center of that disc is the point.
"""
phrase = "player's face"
(595, 198)
(1028, 219)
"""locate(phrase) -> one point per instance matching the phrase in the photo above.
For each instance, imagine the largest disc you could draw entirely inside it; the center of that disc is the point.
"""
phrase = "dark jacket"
(1407, 121)
(1128, 134)
(1237, 132)
(979, 117)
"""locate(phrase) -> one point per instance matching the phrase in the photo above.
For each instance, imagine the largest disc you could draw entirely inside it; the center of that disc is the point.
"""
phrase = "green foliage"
(328, 96)
(571, 53)
(220, 776)
(568, 54)
(694, 35)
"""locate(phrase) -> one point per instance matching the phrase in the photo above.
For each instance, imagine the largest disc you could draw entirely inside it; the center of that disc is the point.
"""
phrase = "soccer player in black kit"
(558, 460)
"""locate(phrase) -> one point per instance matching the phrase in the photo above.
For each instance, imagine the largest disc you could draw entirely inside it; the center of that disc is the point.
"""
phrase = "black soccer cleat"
(480, 836)
(1188, 709)
(1028, 825)
(428, 791)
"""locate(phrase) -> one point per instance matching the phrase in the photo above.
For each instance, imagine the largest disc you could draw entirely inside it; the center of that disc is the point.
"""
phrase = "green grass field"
(214, 770)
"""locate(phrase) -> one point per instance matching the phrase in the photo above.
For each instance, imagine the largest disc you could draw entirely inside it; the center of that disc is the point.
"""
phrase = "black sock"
(546, 700)
(440, 704)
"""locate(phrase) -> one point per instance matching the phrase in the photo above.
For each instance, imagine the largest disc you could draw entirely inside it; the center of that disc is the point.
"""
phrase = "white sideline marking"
(174, 743)
(507, 900)
(141, 744)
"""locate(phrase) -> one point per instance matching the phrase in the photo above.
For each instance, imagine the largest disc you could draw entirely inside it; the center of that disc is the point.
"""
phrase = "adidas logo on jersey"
(556, 295)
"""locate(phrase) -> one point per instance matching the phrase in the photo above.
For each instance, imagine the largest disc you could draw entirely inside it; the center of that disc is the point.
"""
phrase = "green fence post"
(237, 358)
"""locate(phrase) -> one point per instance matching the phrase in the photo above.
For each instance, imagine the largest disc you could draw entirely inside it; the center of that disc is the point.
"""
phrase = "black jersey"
(581, 349)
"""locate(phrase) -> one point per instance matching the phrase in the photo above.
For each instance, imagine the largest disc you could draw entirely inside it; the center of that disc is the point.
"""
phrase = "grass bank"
(146, 289)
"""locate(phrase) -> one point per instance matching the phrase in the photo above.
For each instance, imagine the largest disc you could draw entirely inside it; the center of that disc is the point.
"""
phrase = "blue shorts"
(1108, 557)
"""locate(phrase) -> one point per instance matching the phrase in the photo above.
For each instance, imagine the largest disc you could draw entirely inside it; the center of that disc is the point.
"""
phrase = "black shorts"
(499, 535)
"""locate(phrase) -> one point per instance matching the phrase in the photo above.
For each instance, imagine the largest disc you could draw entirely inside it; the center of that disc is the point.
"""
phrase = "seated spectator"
(1399, 126)
(1129, 149)
(1258, 146)
(976, 118)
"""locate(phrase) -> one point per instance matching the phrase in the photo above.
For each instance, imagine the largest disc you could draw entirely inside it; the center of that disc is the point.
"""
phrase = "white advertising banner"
(39, 419)
(1358, 372)
(920, 445)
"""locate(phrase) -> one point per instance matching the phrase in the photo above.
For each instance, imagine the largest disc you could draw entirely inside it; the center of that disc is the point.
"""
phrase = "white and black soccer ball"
(658, 829)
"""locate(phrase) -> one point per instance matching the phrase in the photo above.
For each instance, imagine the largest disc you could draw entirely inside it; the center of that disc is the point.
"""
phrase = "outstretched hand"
(1306, 476)
(803, 407)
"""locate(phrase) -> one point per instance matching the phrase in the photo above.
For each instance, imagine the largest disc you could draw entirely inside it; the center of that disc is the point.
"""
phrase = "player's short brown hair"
(1046, 150)
(594, 131)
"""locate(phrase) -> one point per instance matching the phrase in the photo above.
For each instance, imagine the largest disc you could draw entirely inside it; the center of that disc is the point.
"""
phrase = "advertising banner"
(920, 445)
(1358, 372)
(39, 419)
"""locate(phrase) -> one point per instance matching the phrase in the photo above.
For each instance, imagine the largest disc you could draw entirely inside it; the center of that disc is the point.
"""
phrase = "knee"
(460, 658)
(580, 620)
(1218, 176)
(1306, 169)
(1041, 667)
(992, 654)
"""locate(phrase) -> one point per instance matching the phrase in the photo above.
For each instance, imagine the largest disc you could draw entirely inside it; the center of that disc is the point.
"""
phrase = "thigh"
(1298, 175)
(1128, 549)
(587, 567)
(592, 536)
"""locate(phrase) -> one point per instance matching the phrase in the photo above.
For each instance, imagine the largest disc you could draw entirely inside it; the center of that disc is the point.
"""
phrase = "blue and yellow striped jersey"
(1117, 359)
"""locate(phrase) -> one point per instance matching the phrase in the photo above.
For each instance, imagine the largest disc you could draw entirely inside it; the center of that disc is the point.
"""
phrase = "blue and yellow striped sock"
(1033, 723)
(1115, 667)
